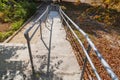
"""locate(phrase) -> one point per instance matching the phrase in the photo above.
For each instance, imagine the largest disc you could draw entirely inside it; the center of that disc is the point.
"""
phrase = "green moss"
(5, 35)
(1, 37)
(16, 25)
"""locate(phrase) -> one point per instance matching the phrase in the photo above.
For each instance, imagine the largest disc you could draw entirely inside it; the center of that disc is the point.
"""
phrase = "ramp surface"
(53, 57)
(58, 57)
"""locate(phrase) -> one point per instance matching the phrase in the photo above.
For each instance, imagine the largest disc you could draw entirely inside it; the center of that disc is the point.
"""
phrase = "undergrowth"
(15, 13)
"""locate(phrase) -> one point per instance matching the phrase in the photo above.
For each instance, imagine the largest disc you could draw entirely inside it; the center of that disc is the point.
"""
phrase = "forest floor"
(102, 26)
(4, 27)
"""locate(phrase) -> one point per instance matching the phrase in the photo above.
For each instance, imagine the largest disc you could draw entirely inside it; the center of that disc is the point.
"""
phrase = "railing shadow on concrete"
(49, 75)
(9, 69)
(29, 37)
(50, 70)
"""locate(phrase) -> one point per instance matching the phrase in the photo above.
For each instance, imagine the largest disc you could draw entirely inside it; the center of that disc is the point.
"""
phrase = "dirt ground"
(4, 27)
(105, 37)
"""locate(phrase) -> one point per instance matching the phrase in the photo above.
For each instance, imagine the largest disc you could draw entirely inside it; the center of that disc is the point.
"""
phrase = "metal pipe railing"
(34, 23)
(103, 61)
(90, 43)
(28, 38)
(85, 51)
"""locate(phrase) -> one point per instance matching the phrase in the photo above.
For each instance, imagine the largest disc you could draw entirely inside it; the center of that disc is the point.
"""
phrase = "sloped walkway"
(58, 59)
(53, 57)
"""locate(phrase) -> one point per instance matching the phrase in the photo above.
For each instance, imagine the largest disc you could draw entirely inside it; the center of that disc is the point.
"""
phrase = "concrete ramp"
(56, 58)
(53, 57)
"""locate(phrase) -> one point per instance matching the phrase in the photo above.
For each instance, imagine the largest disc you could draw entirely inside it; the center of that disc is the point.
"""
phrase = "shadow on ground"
(47, 69)
(10, 69)
(44, 73)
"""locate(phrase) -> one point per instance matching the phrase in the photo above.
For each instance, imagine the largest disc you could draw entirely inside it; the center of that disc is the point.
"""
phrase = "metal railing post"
(30, 53)
(85, 63)
(40, 30)
(29, 37)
